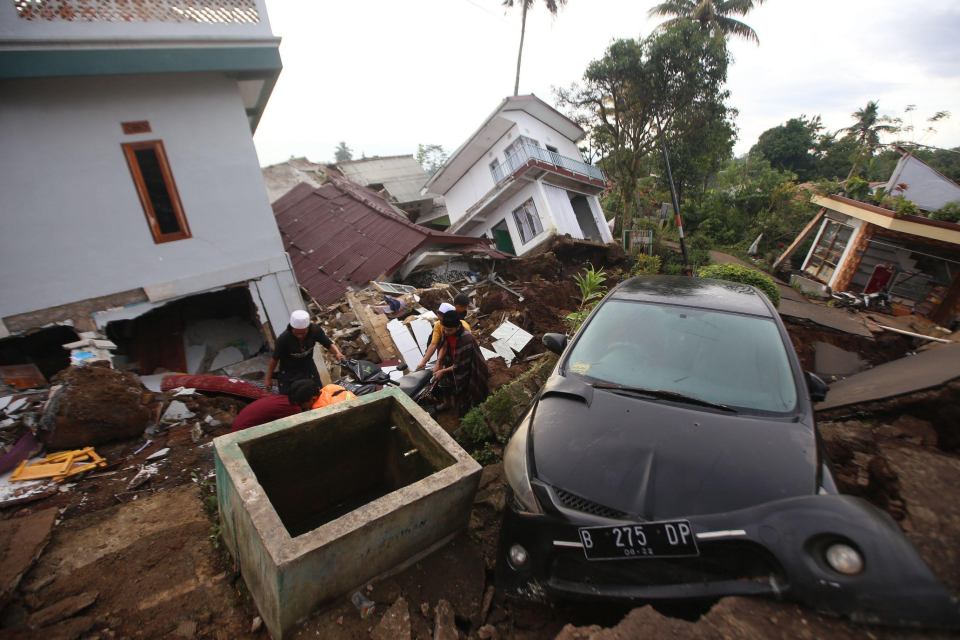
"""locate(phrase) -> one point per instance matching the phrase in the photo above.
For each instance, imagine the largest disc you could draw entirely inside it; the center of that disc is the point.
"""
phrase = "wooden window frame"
(829, 250)
(129, 151)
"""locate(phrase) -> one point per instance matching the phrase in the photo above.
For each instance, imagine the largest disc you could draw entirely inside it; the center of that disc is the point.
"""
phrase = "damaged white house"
(519, 179)
(132, 197)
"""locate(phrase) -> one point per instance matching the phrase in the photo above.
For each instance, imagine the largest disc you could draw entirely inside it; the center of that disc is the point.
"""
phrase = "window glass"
(157, 190)
(528, 221)
(736, 360)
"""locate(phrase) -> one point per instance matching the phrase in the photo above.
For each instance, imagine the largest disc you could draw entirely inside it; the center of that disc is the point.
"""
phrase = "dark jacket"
(470, 374)
(295, 357)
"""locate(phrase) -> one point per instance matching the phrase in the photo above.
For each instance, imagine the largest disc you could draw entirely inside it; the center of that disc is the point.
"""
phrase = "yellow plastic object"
(59, 465)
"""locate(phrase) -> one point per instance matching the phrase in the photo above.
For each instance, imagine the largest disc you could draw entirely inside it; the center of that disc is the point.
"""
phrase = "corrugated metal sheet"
(341, 235)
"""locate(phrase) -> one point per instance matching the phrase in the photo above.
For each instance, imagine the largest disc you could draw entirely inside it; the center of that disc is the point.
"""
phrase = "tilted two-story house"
(128, 177)
(519, 179)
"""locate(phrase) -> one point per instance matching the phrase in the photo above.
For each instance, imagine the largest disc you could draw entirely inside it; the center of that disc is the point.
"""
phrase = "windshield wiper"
(662, 393)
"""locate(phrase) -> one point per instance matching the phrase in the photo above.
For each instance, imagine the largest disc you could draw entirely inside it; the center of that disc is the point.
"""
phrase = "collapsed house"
(342, 236)
(519, 180)
(864, 248)
(400, 180)
(131, 189)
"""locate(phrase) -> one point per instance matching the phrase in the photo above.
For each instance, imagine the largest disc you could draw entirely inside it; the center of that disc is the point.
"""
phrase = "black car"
(673, 454)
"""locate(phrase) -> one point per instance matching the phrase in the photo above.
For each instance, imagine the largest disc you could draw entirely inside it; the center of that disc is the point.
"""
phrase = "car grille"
(575, 502)
(718, 561)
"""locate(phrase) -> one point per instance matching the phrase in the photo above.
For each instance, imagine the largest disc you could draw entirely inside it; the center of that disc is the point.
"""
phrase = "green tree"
(640, 88)
(553, 6)
(713, 16)
(836, 156)
(431, 157)
(866, 131)
(700, 143)
(342, 153)
(792, 146)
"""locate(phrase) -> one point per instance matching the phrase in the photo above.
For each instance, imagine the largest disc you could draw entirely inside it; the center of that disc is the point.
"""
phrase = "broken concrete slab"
(226, 357)
(925, 370)
(825, 316)
(253, 368)
(357, 532)
(22, 540)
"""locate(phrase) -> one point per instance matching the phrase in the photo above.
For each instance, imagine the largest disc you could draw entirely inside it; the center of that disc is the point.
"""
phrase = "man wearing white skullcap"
(293, 352)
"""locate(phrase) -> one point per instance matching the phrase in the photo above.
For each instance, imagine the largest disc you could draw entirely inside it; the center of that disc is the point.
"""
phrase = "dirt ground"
(146, 561)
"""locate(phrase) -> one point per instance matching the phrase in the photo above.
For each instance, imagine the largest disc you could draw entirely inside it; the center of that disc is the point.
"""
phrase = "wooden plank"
(374, 326)
(799, 239)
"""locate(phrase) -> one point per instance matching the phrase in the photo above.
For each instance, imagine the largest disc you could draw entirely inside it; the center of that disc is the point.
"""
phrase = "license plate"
(667, 539)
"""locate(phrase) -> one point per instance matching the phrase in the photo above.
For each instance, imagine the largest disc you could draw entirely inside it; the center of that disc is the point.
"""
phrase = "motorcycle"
(365, 377)
(877, 301)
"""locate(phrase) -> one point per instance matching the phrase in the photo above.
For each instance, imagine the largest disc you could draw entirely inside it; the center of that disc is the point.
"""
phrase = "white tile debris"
(177, 411)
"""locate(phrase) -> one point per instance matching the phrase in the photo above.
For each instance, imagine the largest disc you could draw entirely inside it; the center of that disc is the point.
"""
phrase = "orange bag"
(332, 394)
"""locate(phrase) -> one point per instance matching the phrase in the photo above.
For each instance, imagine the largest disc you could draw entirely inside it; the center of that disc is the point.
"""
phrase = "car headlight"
(844, 559)
(516, 469)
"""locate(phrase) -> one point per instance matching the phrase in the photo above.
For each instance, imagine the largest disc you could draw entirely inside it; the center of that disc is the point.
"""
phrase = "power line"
(925, 146)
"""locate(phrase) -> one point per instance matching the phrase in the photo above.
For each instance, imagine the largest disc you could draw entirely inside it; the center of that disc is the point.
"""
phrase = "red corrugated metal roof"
(341, 235)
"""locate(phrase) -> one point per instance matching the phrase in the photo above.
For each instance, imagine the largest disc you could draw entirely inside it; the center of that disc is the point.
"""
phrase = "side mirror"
(555, 342)
(817, 387)
(402, 366)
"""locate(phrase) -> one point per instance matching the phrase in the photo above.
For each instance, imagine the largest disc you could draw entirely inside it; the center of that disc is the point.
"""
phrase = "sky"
(385, 76)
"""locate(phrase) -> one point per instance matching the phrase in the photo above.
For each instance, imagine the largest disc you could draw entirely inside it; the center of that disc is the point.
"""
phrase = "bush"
(903, 207)
(950, 212)
(743, 275)
(646, 264)
(473, 428)
(857, 188)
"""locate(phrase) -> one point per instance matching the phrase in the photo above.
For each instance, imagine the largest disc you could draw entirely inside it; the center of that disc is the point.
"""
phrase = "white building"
(519, 179)
(128, 175)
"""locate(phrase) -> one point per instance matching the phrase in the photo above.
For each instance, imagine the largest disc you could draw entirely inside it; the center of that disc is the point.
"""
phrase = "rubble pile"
(93, 405)
(533, 293)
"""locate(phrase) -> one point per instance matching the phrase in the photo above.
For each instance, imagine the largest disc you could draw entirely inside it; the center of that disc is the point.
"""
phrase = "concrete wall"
(15, 29)
(476, 182)
(535, 191)
(74, 227)
(289, 577)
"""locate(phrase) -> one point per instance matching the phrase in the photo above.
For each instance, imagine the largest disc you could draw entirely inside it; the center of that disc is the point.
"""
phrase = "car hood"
(655, 459)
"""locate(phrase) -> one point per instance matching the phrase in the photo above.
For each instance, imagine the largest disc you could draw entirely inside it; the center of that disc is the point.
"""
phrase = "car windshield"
(725, 358)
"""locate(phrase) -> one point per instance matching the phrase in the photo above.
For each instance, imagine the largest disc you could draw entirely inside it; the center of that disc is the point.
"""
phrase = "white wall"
(505, 212)
(924, 186)
(73, 226)
(476, 182)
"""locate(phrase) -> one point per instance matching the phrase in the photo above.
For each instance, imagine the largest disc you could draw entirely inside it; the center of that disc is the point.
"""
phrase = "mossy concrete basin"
(317, 504)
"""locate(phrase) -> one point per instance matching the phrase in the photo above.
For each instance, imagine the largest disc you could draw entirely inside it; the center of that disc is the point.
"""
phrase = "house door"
(502, 239)
(588, 225)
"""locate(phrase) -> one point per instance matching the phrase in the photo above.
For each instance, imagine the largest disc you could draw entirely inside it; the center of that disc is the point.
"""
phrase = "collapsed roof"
(342, 235)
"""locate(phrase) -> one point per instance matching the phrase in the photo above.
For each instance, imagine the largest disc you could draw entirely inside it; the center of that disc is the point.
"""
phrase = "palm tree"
(552, 6)
(866, 131)
(713, 15)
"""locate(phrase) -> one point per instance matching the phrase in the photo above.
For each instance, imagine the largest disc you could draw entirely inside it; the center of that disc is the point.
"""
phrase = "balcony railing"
(526, 152)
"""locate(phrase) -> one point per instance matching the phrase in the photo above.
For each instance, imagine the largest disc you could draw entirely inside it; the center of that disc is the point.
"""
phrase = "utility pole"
(676, 201)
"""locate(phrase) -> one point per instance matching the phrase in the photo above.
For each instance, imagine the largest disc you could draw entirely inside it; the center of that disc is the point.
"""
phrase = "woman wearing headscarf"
(463, 370)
